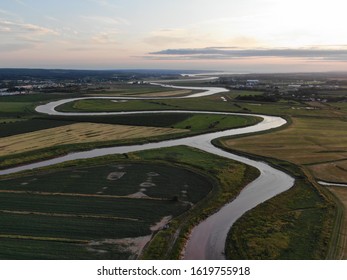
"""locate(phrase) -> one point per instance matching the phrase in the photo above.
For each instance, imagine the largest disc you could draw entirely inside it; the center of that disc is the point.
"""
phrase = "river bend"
(207, 240)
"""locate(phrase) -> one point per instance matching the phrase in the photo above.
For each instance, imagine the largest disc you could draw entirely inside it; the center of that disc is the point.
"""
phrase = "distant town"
(303, 87)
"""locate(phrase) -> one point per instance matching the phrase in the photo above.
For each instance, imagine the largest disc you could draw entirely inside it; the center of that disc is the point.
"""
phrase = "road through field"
(207, 240)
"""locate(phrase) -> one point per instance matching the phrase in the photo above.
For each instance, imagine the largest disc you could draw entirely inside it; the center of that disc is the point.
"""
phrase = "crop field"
(54, 136)
(197, 123)
(168, 93)
(19, 106)
(77, 133)
(289, 108)
(341, 194)
(11, 127)
(298, 223)
(90, 209)
(335, 171)
(201, 122)
(10, 107)
(146, 92)
(319, 144)
(102, 105)
(135, 90)
(128, 199)
(117, 180)
(125, 200)
(204, 103)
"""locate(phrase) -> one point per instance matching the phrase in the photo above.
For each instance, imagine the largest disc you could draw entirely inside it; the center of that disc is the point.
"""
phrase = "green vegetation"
(68, 198)
(12, 107)
(132, 89)
(201, 122)
(195, 124)
(102, 105)
(214, 102)
(31, 249)
(121, 199)
(103, 180)
(229, 178)
(300, 223)
(14, 127)
(23, 106)
(296, 224)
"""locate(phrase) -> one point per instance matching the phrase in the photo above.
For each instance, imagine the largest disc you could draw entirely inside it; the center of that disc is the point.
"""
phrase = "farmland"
(294, 225)
(32, 139)
(125, 196)
(124, 200)
(318, 146)
(341, 194)
(77, 133)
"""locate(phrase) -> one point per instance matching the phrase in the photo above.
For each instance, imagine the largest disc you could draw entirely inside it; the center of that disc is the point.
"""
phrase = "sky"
(223, 35)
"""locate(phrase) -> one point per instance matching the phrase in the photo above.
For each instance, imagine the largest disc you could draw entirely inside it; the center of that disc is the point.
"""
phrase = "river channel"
(207, 240)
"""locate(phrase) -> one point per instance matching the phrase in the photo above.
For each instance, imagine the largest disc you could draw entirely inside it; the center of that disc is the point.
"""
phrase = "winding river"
(207, 240)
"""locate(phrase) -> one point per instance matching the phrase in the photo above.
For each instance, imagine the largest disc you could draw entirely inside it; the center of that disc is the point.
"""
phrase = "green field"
(121, 198)
(34, 208)
(194, 124)
(103, 180)
(295, 225)
(299, 224)
(131, 90)
(283, 107)
(19, 126)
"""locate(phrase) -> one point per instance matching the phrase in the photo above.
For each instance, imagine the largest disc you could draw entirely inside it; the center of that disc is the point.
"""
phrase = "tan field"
(332, 171)
(317, 145)
(309, 141)
(77, 133)
(341, 193)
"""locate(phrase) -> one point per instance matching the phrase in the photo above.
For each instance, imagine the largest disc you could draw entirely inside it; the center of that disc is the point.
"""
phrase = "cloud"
(105, 38)
(316, 53)
(13, 27)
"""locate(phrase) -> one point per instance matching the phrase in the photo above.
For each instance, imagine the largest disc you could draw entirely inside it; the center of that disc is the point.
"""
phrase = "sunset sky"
(231, 35)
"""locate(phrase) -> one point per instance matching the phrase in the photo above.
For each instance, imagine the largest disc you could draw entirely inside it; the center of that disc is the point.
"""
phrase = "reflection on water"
(208, 238)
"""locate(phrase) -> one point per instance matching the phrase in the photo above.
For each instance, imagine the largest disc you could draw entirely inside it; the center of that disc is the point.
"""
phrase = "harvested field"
(305, 217)
(77, 133)
(331, 172)
(341, 193)
(308, 141)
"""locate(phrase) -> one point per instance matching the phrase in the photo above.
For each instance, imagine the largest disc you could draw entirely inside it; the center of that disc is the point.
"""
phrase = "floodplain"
(306, 222)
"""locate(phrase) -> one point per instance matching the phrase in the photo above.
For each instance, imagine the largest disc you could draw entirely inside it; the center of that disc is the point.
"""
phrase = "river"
(207, 240)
